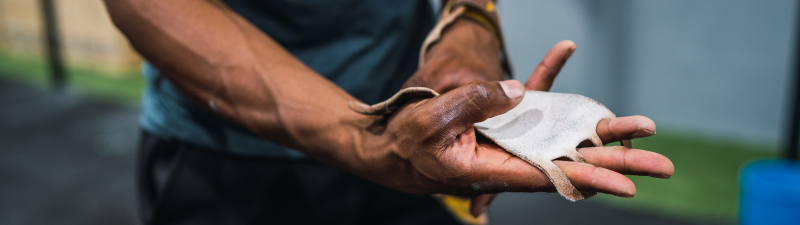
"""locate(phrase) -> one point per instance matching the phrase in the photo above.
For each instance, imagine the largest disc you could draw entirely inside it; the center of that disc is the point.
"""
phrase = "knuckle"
(477, 90)
(478, 98)
(543, 66)
(418, 121)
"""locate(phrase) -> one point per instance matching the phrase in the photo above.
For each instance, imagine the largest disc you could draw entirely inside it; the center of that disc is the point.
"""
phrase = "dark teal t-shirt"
(367, 47)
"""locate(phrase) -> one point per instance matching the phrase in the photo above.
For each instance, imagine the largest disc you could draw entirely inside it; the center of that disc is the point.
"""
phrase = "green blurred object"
(124, 88)
(704, 186)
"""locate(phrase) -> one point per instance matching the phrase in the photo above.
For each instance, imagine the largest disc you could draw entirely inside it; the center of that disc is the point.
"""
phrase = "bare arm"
(227, 65)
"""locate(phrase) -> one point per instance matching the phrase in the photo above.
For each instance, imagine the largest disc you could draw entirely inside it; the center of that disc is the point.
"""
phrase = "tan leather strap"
(481, 11)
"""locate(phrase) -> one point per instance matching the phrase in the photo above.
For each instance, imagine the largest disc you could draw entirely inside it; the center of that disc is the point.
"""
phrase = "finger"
(515, 175)
(545, 73)
(629, 161)
(623, 128)
(587, 177)
(479, 204)
(457, 110)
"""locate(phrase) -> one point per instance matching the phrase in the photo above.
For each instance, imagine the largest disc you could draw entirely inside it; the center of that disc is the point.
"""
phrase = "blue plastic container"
(770, 192)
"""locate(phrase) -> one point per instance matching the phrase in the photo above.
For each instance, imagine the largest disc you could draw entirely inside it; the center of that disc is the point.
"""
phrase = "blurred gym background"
(716, 76)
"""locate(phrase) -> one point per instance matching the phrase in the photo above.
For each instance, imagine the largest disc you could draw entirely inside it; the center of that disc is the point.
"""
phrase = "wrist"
(466, 52)
(465, 36)
(482, 13)
(373, 154)
(343, 140)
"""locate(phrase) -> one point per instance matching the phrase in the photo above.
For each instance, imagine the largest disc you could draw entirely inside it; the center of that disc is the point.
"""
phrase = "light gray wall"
(717, 67)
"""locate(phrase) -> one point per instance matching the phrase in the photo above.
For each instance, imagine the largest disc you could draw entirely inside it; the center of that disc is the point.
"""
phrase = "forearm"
(228, 66)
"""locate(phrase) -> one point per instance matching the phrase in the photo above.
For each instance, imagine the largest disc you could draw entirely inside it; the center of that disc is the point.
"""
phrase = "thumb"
(457, 110)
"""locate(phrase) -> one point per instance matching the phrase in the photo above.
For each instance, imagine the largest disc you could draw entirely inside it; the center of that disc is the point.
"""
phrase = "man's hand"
(445, 156)
(608, 161)
(430, 146)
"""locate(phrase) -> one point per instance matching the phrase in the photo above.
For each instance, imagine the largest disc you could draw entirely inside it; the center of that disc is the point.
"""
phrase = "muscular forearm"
(228, 66)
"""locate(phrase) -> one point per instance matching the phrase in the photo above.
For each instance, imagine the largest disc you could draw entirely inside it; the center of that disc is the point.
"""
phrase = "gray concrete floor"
(550, 208)
(64, 160)
(67, 160)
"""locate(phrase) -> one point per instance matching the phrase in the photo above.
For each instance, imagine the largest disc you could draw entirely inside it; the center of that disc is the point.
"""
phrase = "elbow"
(122, 12)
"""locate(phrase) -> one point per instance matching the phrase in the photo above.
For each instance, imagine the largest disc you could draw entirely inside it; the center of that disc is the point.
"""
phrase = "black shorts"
(183, 184)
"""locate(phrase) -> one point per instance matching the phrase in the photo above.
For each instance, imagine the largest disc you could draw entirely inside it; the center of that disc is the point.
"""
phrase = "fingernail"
(570, 51)
(513, 88)
(642, 133)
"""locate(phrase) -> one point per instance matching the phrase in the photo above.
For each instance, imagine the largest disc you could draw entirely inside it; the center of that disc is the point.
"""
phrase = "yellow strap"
(459, 207)
(490, 6)
(480, 18)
